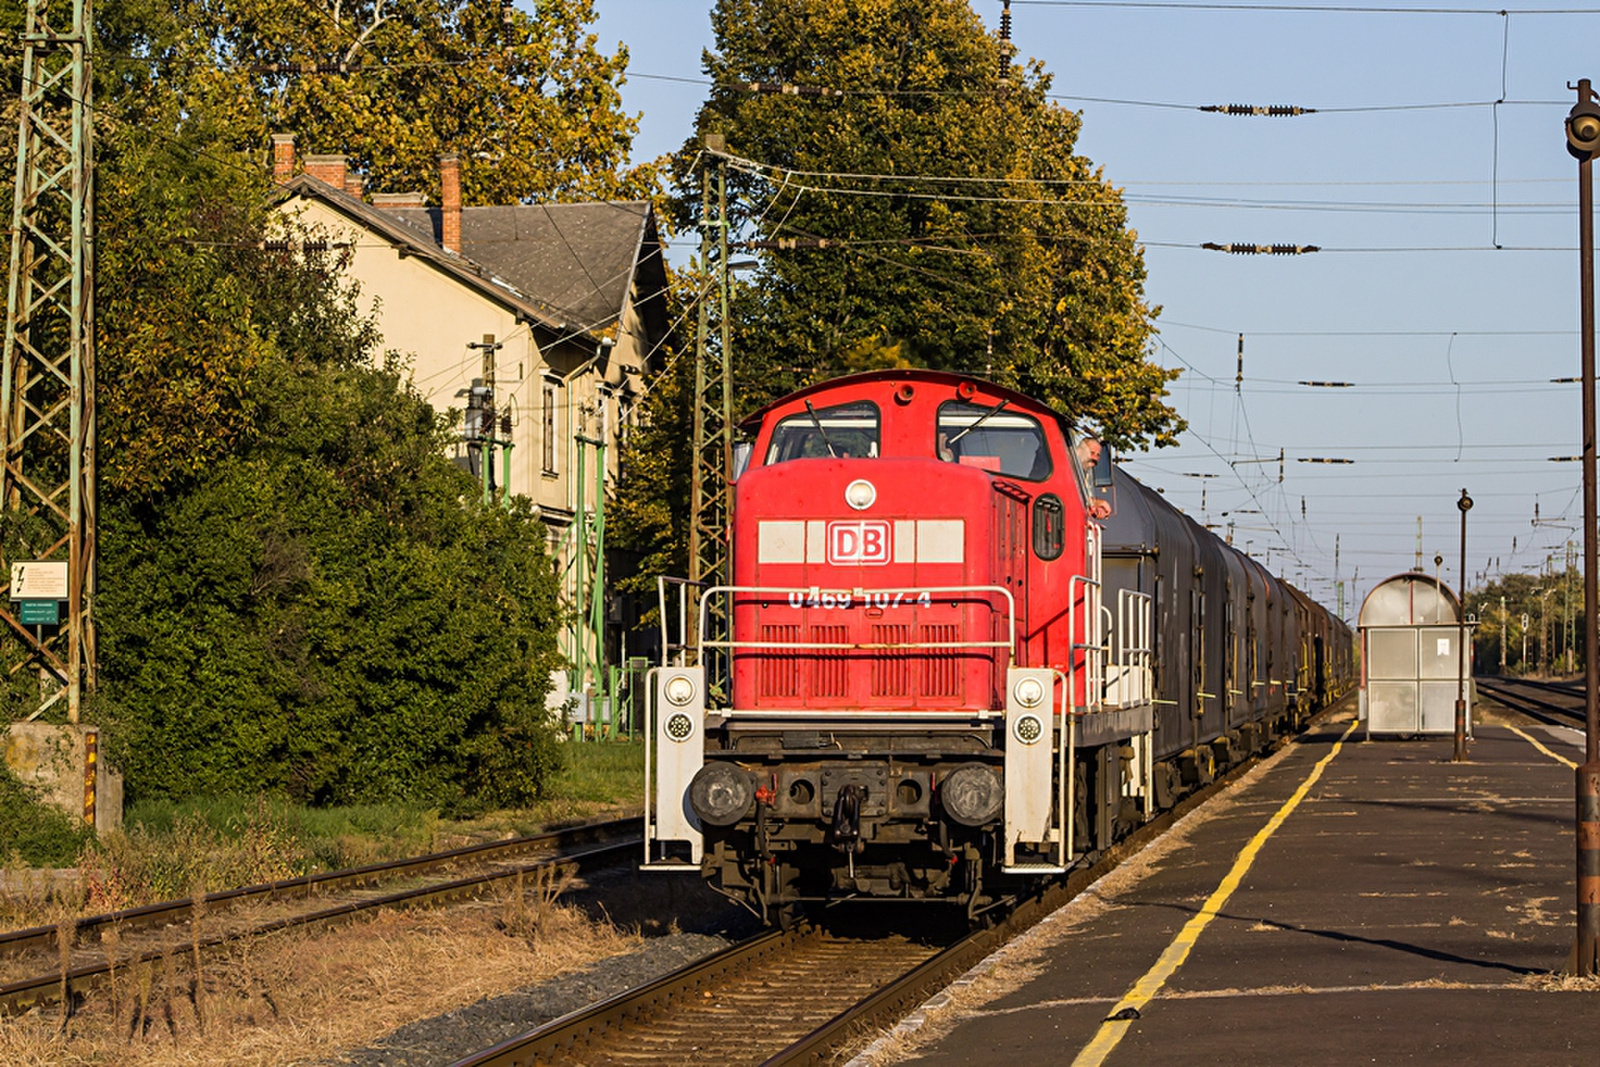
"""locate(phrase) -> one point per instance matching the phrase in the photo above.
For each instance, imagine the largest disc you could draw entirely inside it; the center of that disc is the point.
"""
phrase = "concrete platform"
(1405, 909)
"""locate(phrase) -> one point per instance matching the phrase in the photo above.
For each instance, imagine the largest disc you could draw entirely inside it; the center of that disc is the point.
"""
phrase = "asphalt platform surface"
(1407, 909)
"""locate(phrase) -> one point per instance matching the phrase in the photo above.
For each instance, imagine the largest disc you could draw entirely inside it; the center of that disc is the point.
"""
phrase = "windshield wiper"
(833, 453)
(979, 421)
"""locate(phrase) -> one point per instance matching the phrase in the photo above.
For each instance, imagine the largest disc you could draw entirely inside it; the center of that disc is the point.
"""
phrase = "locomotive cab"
(903, 690)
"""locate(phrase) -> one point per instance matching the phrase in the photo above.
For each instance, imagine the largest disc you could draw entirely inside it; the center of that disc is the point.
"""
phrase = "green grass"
(600, 779)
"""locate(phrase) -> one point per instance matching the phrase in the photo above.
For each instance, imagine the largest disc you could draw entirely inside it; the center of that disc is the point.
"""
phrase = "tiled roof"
(569, 266)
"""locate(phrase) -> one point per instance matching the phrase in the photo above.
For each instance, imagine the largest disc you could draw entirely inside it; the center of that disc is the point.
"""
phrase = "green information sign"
(40, 612)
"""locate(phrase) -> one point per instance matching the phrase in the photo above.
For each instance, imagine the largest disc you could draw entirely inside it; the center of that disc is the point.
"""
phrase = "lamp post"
(1583, 142)
(1465, 504)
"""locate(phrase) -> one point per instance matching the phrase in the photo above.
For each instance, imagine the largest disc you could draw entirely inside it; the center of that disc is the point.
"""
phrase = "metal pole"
(1505, 622)
(1465, 504)
(1583, 140)
(580, 659)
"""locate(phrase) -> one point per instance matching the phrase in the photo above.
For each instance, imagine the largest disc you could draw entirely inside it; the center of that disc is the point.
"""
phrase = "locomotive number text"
(819, 599)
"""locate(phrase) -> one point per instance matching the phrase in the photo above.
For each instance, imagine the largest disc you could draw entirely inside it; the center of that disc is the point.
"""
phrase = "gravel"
(457, 1034)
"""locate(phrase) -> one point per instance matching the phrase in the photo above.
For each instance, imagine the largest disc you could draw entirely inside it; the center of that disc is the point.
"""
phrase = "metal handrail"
(1088, 648)
(650, 712)
(1135, 656)
(877, 646)
(668, 647)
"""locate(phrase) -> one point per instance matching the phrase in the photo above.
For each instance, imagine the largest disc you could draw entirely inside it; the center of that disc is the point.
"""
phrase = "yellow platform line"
(1534, 742)
(1145, 989)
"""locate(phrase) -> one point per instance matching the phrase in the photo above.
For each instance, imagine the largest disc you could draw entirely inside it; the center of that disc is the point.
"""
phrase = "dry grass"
(301, 997)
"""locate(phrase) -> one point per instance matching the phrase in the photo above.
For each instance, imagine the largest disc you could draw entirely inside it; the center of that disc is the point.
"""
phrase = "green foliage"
(525, 96)
(650, 516)
(1026, 273)
(1547, 602)
(330, 613)
(298, 594)
(31, 831)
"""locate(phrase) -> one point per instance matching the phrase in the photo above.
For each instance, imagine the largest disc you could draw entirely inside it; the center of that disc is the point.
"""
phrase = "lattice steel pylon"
(47, 419)
(713, 399)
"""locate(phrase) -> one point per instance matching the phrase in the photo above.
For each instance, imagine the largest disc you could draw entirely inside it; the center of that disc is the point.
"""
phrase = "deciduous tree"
(525, 96)
(962, 230)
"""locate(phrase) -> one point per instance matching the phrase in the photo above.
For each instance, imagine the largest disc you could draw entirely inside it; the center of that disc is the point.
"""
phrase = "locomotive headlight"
(1028, 728)
(720, 794)
(860, 494)
(679, 690)
(1029, 692)
(972, 794)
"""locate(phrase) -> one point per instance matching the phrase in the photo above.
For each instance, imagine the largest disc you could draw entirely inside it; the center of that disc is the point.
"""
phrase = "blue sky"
(1408, 176)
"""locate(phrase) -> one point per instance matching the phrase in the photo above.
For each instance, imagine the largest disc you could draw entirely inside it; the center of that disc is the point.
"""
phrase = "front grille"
(828, 667)
(891, 670)
(779, 674)
(941, 674)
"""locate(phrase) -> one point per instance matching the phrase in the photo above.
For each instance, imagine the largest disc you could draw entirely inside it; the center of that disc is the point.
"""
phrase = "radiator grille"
(828, 667)
(779, 671)
(891, 671)
(941, 676)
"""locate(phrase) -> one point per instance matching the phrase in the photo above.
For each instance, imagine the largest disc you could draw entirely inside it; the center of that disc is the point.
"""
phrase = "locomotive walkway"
(1347, 902)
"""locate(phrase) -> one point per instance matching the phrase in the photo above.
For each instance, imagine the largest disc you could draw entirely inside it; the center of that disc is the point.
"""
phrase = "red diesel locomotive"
(923, 689)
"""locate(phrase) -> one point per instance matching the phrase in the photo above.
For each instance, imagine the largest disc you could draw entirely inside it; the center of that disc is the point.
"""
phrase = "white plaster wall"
(432, 318)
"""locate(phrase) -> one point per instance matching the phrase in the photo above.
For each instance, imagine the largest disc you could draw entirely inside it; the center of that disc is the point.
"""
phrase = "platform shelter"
(1410, 628)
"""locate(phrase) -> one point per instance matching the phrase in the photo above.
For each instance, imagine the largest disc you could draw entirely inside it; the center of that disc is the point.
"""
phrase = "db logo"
(858, 542)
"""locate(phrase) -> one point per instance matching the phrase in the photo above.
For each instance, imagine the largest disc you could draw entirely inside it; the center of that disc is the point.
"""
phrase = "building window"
(548, 429)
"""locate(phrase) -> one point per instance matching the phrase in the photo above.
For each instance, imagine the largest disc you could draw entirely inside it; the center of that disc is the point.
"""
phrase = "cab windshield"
(993, 438)
(844, 431)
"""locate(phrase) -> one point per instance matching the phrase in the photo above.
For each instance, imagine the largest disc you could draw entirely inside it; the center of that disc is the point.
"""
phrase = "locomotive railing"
(1132, 654)
(1092, 647)
(675, 653)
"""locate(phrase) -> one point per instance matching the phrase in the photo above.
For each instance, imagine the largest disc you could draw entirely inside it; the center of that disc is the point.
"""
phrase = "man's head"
(1088, 452)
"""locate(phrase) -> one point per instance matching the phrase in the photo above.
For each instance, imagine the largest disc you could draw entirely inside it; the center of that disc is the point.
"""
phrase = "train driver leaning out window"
(1087, 452)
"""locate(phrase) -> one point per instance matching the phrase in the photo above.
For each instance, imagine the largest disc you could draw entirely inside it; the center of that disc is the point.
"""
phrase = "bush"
(331, 614)
(34, 833)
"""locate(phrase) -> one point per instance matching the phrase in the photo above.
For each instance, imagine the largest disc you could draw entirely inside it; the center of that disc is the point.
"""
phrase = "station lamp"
(1583, 142)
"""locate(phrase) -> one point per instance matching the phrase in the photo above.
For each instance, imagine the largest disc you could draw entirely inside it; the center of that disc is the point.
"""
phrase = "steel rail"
(568, 1038)
(568, 1033)
(1551, 714)
(36, 938)
(20, 996)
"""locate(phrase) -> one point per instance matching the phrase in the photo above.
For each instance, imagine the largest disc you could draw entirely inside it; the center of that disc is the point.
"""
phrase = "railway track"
(799, 997)
(1552, 703)
(98, 945)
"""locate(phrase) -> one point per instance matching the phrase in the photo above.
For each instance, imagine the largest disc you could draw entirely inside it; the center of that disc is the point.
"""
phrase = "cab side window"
(1006, 442)
(844, 431)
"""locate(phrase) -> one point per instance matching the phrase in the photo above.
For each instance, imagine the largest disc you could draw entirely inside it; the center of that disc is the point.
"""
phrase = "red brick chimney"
(282, 157)
(450, 202)
(355, 184)
(330, 169)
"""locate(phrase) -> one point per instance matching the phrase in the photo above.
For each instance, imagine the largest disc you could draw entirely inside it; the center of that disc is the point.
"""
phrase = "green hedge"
(330, 613)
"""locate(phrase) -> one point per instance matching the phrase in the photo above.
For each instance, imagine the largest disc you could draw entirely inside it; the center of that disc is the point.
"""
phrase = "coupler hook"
(847, 823)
